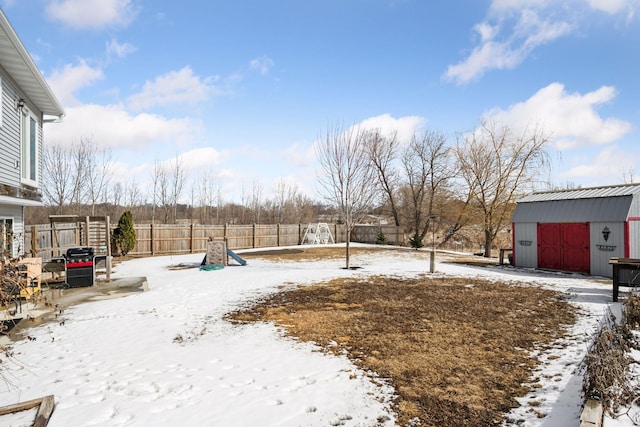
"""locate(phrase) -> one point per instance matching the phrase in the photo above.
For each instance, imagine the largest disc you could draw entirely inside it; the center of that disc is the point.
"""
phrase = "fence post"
(152, 242)
(191, 238)
(34, 240)
(278, 234)
(254, 235)
(86, 231)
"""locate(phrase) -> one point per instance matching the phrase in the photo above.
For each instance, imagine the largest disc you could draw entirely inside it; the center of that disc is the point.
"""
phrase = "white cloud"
(299, 155)
(528, 33)
(180, 87)
(203, 157)
(113, 127)
(570, 118)
(607, 166)
(119, 50)
(404, 127)
(91, 14)
(513, 29)
(612, 6)
(262, 64)
(67, 81)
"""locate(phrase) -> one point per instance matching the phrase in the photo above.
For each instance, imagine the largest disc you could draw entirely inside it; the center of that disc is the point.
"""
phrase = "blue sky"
(242, 89)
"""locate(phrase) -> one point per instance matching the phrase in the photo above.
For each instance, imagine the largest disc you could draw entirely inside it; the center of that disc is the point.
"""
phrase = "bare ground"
(456, 350)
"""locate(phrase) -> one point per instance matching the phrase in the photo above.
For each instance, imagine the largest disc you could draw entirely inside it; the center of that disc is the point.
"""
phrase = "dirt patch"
(315, 253)
(456, 350)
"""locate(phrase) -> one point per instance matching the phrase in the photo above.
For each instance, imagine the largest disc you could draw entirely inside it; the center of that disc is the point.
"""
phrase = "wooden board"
(45, 406)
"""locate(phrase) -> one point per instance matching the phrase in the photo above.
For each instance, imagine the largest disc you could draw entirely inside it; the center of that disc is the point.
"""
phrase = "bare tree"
(177, 183)
(629, 175)
(428, 168)
(132, 194)
(257, 191)
(284, 201)
(348, 180)
(57, 177)
(382, 152)
(160, 179)
(97, 172)
(209, 187)
(495, 164)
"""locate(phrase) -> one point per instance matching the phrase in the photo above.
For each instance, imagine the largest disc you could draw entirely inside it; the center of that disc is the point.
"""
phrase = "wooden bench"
(626, 272)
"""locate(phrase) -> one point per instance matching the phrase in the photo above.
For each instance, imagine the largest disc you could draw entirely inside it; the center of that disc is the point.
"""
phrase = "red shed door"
(564, 247)
(549, 246)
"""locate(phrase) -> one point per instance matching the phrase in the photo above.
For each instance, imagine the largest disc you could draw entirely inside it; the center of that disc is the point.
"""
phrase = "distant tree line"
(433, 186)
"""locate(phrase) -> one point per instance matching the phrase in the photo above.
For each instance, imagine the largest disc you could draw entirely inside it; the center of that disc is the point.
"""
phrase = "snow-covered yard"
(166, 357)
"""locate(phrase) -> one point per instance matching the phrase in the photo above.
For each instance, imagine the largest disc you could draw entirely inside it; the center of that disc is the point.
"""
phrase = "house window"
(29, 151)
(6, 237)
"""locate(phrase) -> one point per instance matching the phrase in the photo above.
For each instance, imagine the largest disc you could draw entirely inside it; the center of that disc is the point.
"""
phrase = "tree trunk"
(488, 241)
(347, 253)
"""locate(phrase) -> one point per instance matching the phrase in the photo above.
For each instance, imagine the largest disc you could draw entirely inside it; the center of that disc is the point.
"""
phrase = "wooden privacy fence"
(47, 241)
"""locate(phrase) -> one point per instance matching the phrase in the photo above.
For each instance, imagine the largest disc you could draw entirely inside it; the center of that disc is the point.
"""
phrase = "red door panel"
(549, 246)
(564, 247)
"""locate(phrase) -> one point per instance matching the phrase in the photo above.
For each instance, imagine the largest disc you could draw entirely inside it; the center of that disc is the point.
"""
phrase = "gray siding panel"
(601, 250)
(634, 239)
(526, 244)
(9, 136)
(611, 209)
(17, 213)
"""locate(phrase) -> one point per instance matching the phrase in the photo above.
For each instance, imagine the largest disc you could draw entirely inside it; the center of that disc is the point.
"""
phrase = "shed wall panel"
(634, 209)
(603, 249)
(525, 245)
(634, 238)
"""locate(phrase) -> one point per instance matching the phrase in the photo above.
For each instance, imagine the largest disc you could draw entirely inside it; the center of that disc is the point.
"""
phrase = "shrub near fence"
(167, 239)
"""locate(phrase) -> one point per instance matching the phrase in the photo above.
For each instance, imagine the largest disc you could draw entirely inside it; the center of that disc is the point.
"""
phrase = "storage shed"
(577, 230)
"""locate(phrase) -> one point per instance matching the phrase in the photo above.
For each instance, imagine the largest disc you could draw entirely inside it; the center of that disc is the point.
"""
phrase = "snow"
(167, 357)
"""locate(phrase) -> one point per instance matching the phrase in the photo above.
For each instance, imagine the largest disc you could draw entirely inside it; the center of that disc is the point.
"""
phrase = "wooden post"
(34, 240)
(55, 250)
(299, 233)
(191, 238)
(86, 231)
(278, 234)
(152, 242)
(107, 224)
(254, 235)
(592, 414)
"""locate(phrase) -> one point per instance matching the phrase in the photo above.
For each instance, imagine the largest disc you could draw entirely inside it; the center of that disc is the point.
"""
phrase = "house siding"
(17, 213)
(9, 135)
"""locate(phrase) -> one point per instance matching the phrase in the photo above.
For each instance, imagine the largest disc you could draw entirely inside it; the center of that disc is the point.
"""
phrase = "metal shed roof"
(583, 193)
(18, 63)
(610, 203)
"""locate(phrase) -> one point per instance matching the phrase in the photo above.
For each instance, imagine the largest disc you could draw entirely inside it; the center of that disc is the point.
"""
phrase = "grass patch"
(455, 349)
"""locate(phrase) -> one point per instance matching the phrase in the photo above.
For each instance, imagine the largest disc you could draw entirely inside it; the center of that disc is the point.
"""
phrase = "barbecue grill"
(81, 267)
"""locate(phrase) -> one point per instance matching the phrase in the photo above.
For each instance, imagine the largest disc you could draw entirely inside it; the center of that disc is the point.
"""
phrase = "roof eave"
(52, 106)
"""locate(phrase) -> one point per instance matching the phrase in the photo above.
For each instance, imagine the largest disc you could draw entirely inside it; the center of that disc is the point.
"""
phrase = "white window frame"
(29, 155)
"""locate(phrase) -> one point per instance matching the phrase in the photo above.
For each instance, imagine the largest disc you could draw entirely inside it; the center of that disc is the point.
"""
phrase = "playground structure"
(218, 253)
(317, 234)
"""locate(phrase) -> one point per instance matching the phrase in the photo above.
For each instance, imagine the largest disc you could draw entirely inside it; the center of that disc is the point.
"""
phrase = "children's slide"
(236, 257)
